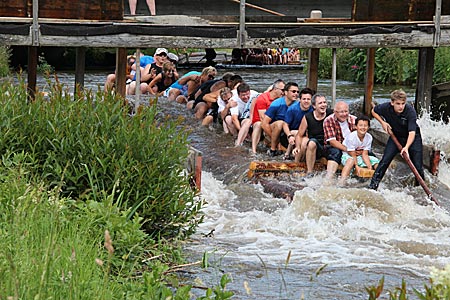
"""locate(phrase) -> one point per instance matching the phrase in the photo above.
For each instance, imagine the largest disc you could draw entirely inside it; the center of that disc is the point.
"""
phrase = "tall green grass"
(89, 147)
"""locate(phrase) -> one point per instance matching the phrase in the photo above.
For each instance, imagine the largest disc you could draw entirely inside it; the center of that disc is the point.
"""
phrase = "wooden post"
(80, 67)
(138, 80)
(313, 59)
(32, 72)
(333, 78)
(424, 79)
(370, 77)
(241, 35)
(121, 70)
(313, 68)
(437, 24)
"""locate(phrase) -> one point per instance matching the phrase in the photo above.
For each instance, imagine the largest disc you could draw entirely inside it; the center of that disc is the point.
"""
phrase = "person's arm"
(336, 144)
(226, 110)
(236, 123)
(301, 133)
(152, 83)
(366, 159)
(186, 79)
(385, 125)
(146, 75)
(265, 125)
(290, 137)
(252, 109)
(409, 141)
(262, 113)
(211, 97)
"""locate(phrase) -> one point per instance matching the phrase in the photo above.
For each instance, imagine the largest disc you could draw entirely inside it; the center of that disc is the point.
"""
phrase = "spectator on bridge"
(150, 3)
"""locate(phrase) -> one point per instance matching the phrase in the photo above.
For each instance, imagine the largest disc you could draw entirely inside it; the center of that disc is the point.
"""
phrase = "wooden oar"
(412, 167)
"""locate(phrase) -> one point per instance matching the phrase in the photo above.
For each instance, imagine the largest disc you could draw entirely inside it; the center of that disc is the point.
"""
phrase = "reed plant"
(5, 53)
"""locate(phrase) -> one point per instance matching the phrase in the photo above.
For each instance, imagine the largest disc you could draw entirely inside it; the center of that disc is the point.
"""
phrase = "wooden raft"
(259, 169)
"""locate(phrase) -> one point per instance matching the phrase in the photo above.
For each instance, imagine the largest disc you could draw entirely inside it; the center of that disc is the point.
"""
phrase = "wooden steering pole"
(412, 167)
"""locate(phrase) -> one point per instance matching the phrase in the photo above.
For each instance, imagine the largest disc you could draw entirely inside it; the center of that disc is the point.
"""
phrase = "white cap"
(172, 57)
(161, 50)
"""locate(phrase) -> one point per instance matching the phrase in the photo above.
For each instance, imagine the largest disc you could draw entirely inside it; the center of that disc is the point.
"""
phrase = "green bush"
(53, 247)
(90, 147)
(392, 65)
(441, 65)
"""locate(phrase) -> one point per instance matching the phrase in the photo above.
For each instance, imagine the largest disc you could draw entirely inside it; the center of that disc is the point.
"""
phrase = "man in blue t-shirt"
(273, 121)
(293, 118)
(400, 118)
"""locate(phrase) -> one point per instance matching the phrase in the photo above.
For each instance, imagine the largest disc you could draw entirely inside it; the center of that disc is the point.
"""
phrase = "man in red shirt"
(260, 105)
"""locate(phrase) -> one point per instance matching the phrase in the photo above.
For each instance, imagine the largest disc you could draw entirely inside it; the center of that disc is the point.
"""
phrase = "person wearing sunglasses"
(293, 118)
(273, 121)
(163, 80)
(150, 71)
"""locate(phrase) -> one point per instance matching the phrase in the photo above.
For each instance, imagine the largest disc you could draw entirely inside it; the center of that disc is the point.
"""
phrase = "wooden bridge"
(367, 24)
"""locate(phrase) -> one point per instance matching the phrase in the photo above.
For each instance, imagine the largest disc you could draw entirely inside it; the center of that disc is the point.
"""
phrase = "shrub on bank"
(53, 247)
(90, 147)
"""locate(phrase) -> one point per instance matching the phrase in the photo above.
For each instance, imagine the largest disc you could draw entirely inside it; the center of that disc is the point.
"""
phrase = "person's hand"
(386, 127)
(296, 151)
(291, 139)
(153, 72)
(232, 103)
(404, 152)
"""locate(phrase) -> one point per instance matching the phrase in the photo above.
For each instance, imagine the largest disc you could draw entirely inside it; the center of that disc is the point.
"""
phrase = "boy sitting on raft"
(359, 144)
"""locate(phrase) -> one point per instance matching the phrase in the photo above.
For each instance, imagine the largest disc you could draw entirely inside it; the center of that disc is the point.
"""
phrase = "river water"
(329, 243)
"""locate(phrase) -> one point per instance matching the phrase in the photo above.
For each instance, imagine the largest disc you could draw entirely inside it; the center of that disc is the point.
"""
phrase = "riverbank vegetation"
(393, 66)
(94, 202)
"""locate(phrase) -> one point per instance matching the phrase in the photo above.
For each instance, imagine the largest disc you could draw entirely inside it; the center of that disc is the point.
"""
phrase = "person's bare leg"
(310, 157)
(109, 83)
(173, 94)
(151, 7)
(132, 88)
(200, 110)
(256, 135)
(332, 167)
(245, 126)
(231, 128)
(132, 4)
(276, 131)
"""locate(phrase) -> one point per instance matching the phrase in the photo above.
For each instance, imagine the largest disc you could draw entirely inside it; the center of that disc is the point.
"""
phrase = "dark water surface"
(273, 250)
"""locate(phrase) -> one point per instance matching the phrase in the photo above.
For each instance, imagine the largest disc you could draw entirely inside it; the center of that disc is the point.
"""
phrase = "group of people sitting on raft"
(294, 122)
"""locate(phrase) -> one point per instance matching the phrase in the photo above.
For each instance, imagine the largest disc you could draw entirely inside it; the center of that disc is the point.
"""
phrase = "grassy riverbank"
(93, 201)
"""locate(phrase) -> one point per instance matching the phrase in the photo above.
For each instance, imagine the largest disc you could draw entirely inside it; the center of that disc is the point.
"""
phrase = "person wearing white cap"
(173, 58)
(150, 71)
(150, 3)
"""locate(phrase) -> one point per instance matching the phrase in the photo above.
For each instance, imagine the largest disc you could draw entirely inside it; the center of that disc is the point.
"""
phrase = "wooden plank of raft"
(265, 167)
(262, 168)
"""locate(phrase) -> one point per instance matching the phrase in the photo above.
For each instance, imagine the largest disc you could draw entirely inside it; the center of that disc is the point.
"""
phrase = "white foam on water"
(327, 225)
